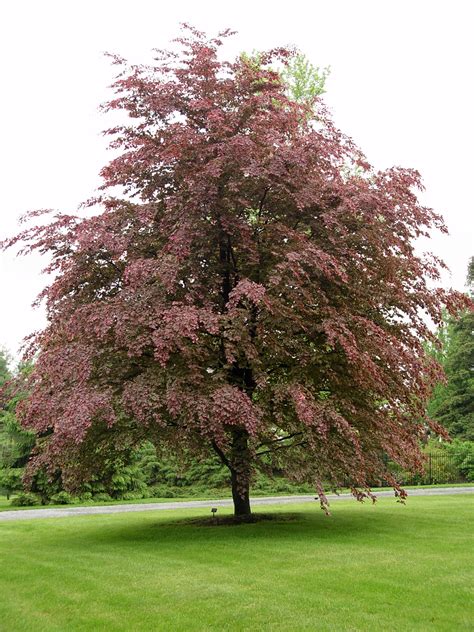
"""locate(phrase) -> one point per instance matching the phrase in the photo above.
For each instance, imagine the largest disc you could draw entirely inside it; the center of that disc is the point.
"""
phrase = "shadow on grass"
(232, 521)
(167, 533)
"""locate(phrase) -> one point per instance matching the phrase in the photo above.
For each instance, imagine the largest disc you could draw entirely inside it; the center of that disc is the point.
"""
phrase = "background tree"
(453, 401)
(5, 373)
(15, 443)
(253, 291)
(5, 377)
(304, 81)
(470, 275)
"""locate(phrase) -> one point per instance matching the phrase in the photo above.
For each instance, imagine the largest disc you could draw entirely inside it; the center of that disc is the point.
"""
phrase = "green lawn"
(384, 567)
(5, 505)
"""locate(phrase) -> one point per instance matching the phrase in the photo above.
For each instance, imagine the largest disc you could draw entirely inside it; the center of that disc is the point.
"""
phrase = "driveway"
(32, 514)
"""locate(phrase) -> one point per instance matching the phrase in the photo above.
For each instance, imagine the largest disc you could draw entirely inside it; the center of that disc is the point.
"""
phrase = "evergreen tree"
(16, 443)
(10, 474)
(452, 404)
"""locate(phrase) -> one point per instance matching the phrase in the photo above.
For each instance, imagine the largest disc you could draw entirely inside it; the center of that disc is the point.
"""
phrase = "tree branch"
(290, 436)
(221, 455)
(280, 447)
(262, 201)
(232, 256)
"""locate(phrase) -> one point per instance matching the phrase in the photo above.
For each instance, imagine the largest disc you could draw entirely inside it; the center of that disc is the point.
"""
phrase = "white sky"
(401, 86)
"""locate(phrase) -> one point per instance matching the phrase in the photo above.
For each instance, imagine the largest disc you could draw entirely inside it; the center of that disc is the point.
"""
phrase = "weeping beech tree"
(252, 290)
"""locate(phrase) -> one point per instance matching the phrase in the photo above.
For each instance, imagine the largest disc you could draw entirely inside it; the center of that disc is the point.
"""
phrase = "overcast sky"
(401, 86)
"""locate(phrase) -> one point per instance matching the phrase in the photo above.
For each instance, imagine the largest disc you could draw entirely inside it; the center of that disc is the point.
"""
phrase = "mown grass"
(5, 505)
(383, 567)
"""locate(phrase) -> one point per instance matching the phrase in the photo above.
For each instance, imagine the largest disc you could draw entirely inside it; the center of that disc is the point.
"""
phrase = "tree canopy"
(247, 285)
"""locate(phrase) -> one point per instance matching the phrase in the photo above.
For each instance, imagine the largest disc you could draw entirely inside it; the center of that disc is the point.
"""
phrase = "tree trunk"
(240, 473)
(241, 496)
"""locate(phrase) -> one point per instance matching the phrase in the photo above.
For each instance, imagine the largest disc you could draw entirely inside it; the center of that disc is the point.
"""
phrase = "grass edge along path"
(367, 567)
(58, 512)
(220, 494)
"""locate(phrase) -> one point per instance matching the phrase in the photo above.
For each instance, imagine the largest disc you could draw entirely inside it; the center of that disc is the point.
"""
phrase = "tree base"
(229, 521)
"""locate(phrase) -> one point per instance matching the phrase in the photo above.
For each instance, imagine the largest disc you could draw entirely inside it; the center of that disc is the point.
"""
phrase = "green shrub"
(26, 499)
(161, 491)
(126, 480)
(102, 497)
(11, 481)
(462, 453)
(62, 498)
(134, 495)
(46, 485)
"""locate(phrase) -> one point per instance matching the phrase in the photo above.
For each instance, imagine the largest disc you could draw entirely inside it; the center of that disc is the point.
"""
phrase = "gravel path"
(31, 514)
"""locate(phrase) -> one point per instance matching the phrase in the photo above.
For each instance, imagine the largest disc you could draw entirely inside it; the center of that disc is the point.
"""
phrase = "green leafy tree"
(11, 436)
(462, 453)
(4, 370)
(438, 349)
(5, 376)
(10, 481)
(470, 274)
(452, 403)
(305, 82)
(16, 443)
